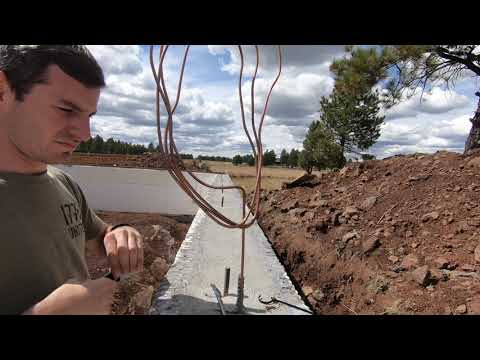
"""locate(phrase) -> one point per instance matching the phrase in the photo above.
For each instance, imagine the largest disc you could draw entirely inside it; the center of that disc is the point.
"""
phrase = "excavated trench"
(182, 283)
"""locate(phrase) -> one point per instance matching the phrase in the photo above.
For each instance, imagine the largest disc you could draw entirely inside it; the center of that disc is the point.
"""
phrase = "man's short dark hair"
(26, 65)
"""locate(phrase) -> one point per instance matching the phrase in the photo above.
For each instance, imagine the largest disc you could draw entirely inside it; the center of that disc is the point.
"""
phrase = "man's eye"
(66, 109)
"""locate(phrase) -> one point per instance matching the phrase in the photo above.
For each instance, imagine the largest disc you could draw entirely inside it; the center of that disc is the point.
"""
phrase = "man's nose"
(81, 129)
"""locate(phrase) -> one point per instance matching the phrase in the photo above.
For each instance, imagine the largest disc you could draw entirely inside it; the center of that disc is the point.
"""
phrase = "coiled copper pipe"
(172, 159)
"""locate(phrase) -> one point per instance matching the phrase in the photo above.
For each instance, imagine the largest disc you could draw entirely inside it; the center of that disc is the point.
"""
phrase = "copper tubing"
(169, 150)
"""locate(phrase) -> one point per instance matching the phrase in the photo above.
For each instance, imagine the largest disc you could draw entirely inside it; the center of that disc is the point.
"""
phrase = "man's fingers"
(122, 250)
(112, 255)
(140, 253)
(133, 252)
(125, 251)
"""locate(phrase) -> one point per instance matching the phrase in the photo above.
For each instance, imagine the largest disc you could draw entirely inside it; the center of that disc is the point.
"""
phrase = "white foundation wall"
(135, 190)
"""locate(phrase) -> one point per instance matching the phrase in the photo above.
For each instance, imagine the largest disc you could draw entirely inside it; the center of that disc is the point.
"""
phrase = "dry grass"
(243, 175)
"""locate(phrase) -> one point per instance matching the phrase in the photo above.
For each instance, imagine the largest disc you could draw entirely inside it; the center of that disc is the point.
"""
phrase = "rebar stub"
(240, 295)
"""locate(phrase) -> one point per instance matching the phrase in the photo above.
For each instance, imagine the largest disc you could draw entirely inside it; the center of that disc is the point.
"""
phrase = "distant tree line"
(269, 158)
(97, 145)
(214, 158)
(245, 159)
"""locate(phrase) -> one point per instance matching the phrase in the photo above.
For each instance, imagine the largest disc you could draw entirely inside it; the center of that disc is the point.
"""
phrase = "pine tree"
(284, 157)
(352, 119)
(404, 70)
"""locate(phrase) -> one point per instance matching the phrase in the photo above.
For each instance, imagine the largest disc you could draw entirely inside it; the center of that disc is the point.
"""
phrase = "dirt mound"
(163, 237)
(145, 161)
(393, 236)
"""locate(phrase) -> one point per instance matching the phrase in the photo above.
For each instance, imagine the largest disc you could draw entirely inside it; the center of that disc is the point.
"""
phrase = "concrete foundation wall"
(135, 190)
(208, 247)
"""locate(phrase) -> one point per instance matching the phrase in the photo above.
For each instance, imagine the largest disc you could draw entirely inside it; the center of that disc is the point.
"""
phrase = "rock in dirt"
(441, 263)
(452, 265)
(368, 203)
(370, 244)
(473, 222)
(410, 261)
(430, 216)
(159, 268)
(350, 211)
(318, 203)
(461, 309)
(477, 254)
(421, 275)
(292, 204)
(358, 170)
(167, 237)
(318, 295)
(349, 236)
(320, 225)
(462, 274)
(335, 217)
(418, 178)
(475, 162)
(298, 212)
(436, 276)
(307, 180)
(343, 172)
(143, 300)
(329, 261)
(474, 306)
(307, 290)
(468, 268)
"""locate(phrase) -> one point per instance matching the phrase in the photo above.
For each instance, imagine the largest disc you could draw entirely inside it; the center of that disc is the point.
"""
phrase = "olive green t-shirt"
(44, 223)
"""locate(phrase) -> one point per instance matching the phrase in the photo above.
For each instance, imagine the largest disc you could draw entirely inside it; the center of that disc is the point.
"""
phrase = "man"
(47, 95)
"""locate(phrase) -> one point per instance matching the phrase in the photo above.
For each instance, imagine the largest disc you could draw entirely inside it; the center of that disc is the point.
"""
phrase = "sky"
(208, 118)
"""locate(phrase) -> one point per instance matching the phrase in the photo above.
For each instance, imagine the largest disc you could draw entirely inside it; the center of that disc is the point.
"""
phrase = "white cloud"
(424, 133)
(127, 104)
(434, 102)
(208, 119)
(118, 59)
(293, 56)
(292, 97)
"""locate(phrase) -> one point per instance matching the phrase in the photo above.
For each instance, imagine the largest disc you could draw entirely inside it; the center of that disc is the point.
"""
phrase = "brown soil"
(145, 161)
(162, 235)
(352, 257)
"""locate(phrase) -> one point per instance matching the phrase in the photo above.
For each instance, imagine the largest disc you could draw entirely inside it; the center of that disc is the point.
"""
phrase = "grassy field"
(243, 175)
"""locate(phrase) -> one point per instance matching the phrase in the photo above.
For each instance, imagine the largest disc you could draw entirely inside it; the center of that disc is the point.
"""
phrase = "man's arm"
(122, 245)
(96, 245)
(92, 297)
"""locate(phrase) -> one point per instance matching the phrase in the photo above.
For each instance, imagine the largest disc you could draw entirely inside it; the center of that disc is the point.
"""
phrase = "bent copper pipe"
(174, 163)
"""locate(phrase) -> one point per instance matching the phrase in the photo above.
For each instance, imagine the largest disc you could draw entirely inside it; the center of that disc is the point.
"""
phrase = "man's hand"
(124, 247)
(92, 297)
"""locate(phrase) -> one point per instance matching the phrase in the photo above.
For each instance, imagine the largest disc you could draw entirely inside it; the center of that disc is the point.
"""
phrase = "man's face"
(53, 118)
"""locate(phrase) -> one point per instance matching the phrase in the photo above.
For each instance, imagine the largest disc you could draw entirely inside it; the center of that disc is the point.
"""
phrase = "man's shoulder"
(58, 173)
(63, 177)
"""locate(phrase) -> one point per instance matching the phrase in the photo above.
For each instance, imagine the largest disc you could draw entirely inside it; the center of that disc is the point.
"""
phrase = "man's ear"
(6, 92)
